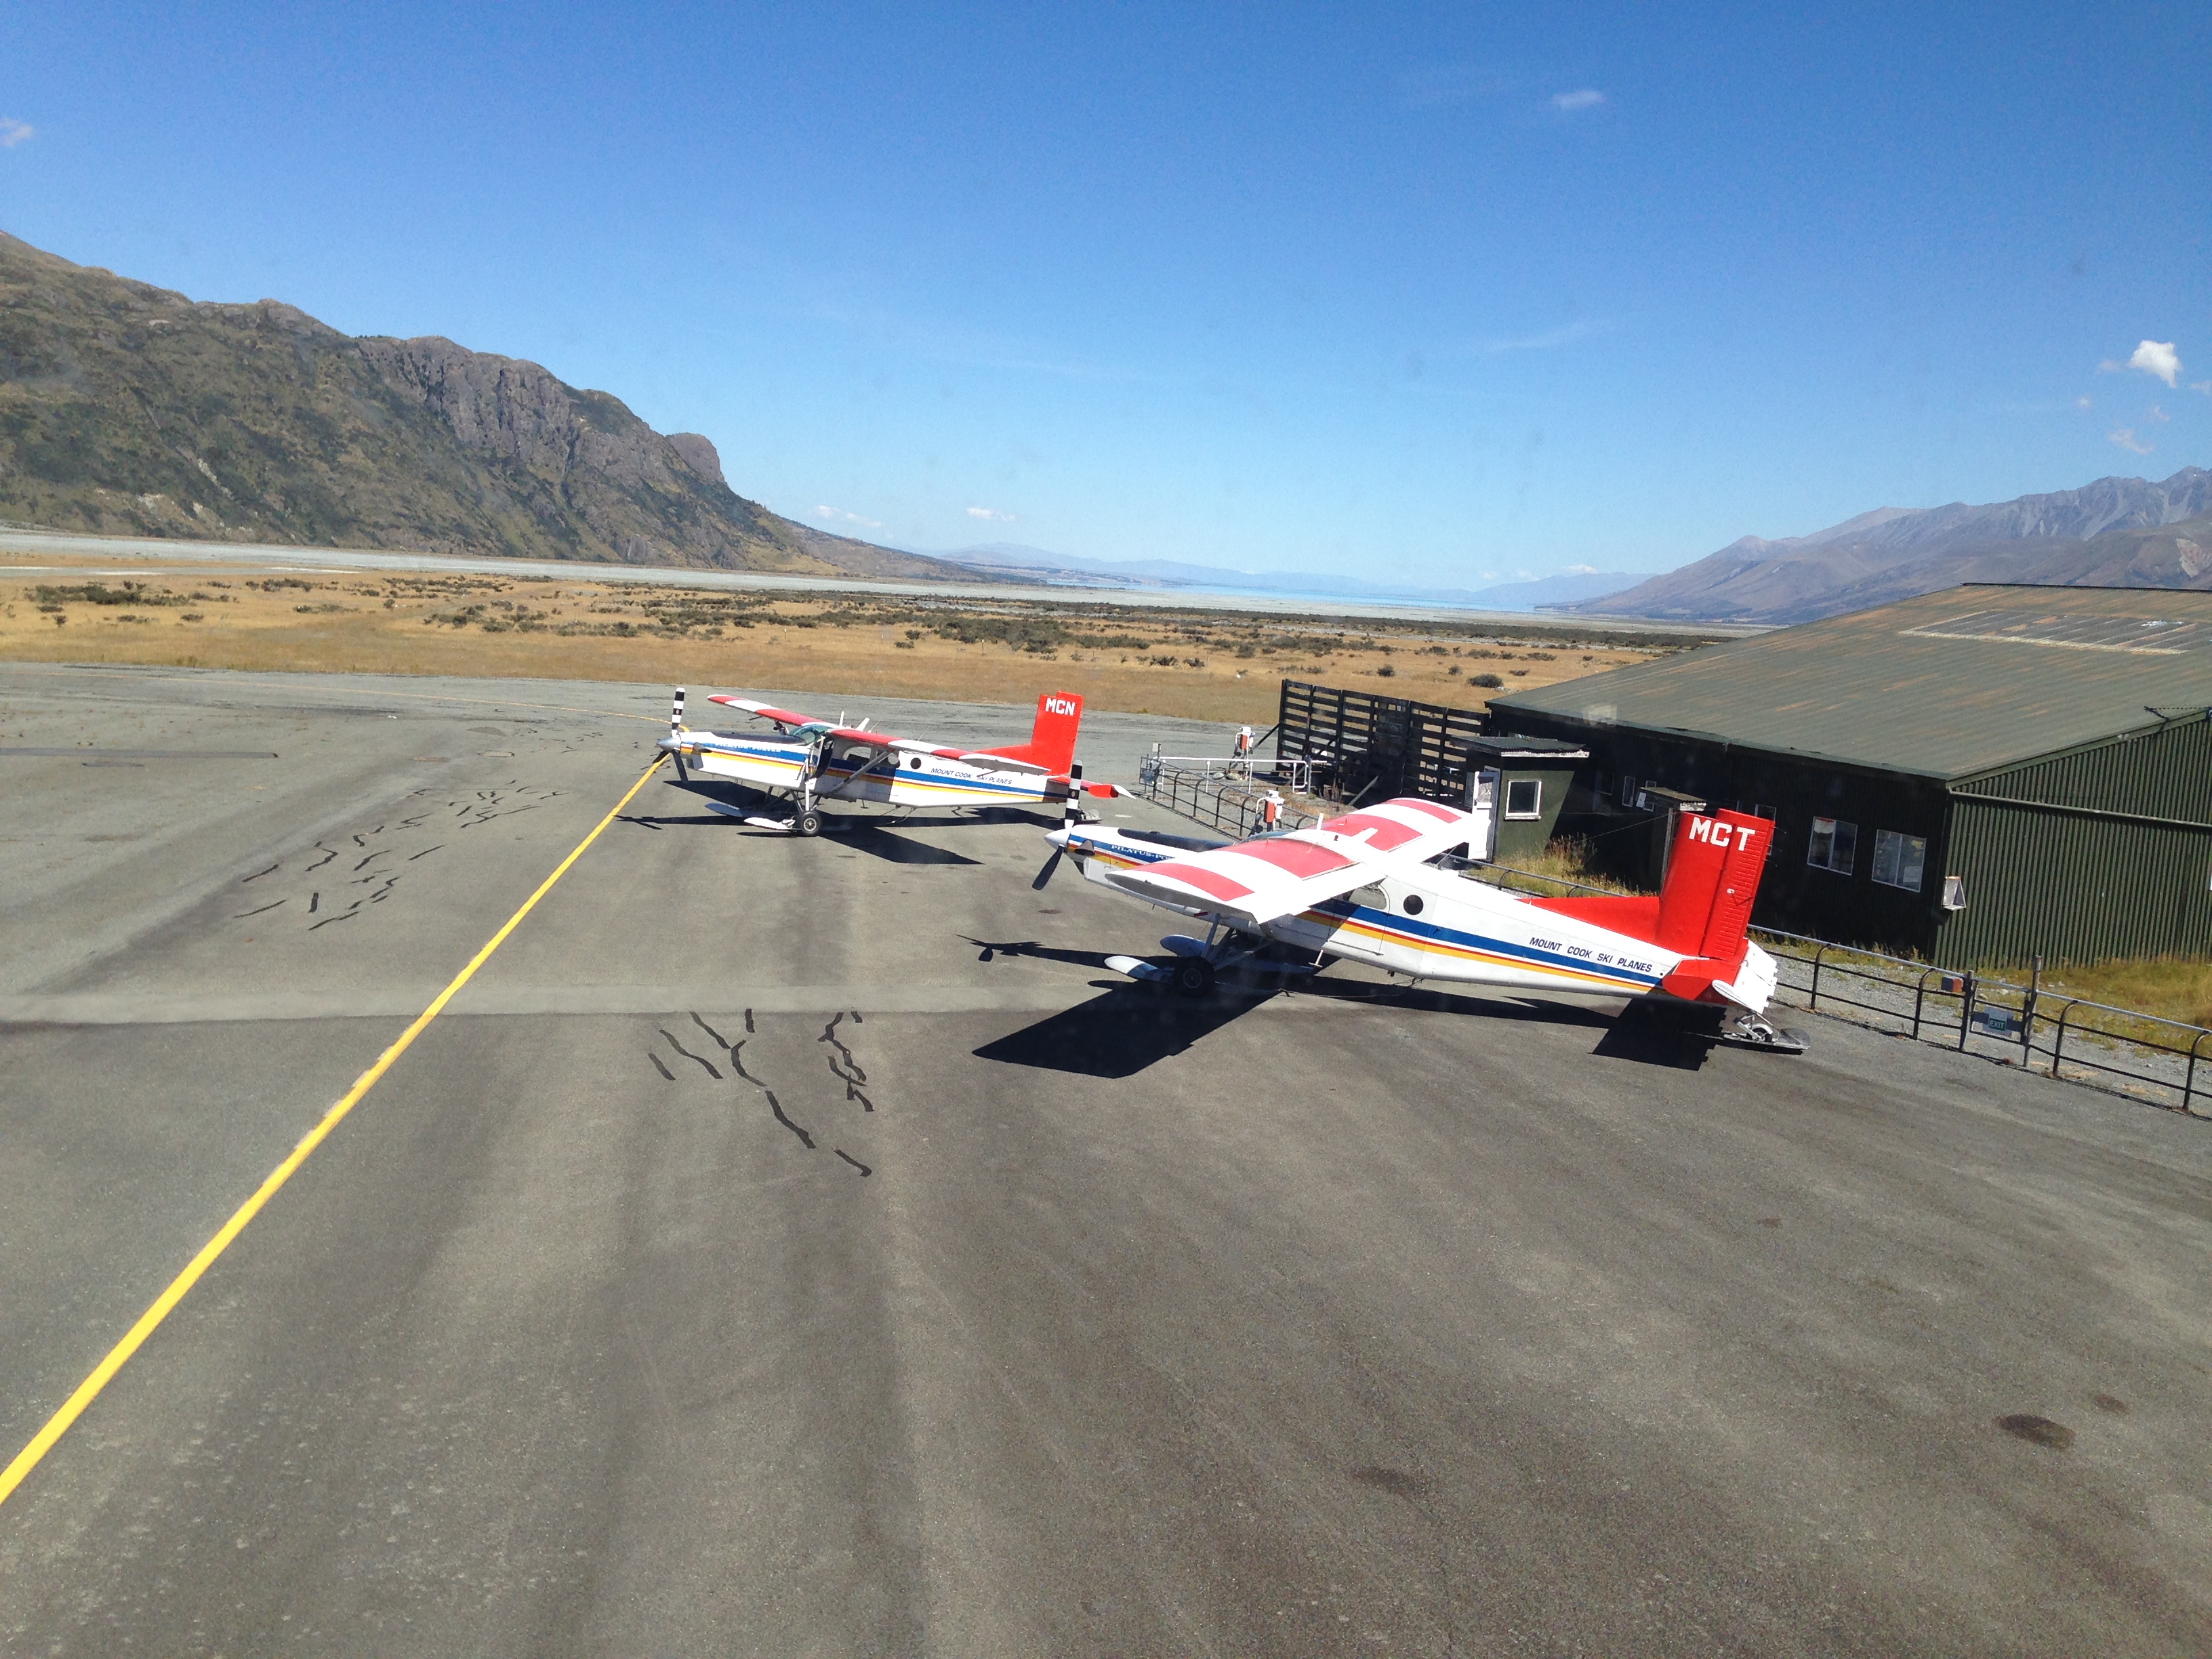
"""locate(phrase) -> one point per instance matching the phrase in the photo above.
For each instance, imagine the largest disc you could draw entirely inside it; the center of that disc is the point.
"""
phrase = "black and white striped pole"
(1073, 816)
(675, 735)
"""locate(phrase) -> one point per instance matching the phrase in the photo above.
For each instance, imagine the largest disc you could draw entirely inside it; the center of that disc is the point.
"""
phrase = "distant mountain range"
(128, 409)
(2122, 533)
(997, 557)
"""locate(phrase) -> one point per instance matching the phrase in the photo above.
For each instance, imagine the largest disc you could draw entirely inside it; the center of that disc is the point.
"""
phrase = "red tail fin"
(1712, 877)
(1052, 738)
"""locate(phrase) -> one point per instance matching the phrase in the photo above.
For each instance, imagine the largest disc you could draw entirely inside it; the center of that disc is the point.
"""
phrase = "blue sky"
(1435, 294)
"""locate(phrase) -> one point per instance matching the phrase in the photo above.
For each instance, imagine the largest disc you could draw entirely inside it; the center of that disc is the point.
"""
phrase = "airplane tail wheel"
(808, 822)
(1193, 977)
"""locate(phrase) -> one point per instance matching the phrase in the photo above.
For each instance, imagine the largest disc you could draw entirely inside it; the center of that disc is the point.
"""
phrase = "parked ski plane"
(813, 762)
(1382, 885)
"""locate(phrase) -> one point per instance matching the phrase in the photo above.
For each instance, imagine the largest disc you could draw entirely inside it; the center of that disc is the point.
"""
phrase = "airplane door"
(1482, 801)
(909, 785)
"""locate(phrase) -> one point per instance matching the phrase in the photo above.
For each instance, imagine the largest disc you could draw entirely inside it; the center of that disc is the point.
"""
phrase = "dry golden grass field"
(1196, 663)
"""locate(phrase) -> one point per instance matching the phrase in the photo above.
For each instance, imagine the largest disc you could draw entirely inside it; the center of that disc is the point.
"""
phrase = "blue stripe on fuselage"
(1382, 921)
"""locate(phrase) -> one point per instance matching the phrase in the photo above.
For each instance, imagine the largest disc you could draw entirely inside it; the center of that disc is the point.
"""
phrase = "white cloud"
(849, 518)
(2204, 387)
(2082, 402)
(2125, 436)
(2157, 358)
(2154, 357)
(13, 132)
(2154, 413)
(991, 514)
(1568, 103)
(1580, 570)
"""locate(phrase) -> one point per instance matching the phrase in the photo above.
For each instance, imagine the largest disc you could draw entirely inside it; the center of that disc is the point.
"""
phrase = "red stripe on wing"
(1444, 814)
(1389, 832)
(784, 716)
(1205, 880)
(1300, 858)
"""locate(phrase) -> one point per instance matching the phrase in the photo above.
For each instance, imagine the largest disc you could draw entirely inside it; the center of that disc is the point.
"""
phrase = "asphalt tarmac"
(790, 1247)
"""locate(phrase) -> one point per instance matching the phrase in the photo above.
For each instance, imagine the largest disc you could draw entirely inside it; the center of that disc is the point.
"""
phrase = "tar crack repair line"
(696, 1060)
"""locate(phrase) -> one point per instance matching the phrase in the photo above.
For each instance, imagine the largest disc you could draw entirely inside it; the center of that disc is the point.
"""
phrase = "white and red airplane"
(815, 761)
(1383, 886)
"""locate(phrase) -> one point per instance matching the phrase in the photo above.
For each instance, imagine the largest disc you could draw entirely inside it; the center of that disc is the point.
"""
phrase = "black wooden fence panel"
(1365, 747)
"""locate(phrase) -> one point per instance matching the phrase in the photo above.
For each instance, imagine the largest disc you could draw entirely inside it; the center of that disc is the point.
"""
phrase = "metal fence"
(1231, 803)
(2124, 1051)
(1288, 773)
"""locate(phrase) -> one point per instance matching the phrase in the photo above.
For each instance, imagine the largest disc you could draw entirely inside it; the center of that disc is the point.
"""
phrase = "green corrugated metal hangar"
(1983, 775)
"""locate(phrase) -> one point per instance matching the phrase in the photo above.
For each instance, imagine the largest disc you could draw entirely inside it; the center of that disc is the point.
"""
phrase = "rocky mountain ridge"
(2115, 532)
(130, 410)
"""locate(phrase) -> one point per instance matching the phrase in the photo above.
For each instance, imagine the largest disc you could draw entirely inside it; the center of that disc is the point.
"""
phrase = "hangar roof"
(1948, 685)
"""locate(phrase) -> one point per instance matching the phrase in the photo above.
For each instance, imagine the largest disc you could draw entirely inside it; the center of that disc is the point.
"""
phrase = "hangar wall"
(2103, 851)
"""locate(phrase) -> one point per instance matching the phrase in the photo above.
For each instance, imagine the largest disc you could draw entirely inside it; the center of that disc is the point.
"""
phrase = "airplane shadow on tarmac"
(1133, 1026)
(861, 835)
(1119, 1033)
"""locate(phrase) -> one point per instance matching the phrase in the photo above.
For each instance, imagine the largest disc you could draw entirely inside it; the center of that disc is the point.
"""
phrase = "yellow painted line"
(149, 1322)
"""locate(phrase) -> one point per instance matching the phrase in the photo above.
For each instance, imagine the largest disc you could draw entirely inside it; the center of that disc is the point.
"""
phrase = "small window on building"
(1955, 892)
(1766, 812)
(1524, 798)
(1598, 782)
(1899, 860)
(1627, 790)
(1835, 846)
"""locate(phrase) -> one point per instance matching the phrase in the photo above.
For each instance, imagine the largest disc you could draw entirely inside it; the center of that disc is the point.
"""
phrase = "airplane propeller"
(1045, 874)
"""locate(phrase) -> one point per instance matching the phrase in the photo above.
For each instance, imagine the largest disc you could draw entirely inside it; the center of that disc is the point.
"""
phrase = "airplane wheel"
(1193, 977)
(808, 822)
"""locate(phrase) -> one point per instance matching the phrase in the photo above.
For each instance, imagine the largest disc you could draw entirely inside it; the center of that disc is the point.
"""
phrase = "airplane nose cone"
(1058, 838)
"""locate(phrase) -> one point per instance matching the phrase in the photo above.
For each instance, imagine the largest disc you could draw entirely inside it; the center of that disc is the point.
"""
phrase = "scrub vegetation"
(1196, 662)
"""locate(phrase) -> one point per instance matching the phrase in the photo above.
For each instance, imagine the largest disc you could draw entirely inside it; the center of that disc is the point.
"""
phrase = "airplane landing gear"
(1192, 976)
(806, 822)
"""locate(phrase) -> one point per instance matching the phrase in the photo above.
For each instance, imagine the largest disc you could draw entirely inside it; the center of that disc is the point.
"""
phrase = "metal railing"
(1233, 806)
(2144, 1056)
(1291, 774)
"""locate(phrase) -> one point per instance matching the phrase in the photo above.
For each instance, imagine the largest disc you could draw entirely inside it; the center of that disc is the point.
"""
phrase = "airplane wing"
(855, 735)
(851, 734)
(782, 716)
(1255, 882)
